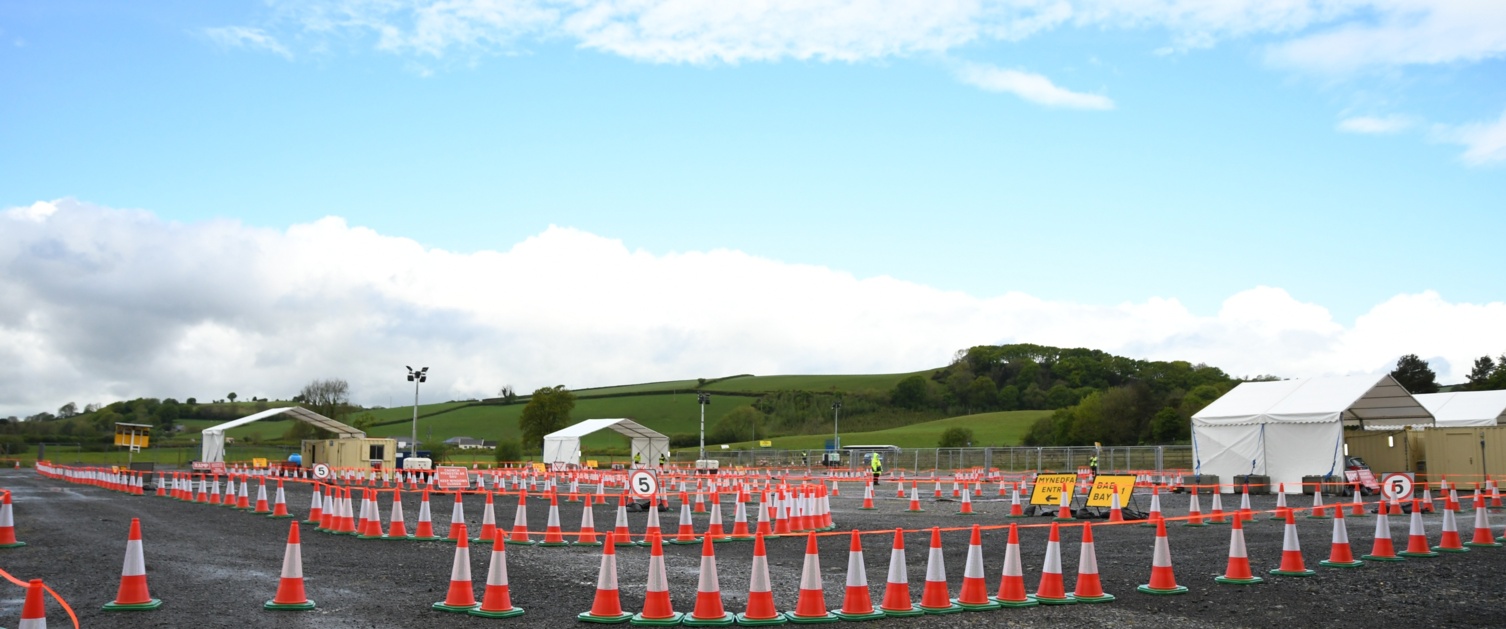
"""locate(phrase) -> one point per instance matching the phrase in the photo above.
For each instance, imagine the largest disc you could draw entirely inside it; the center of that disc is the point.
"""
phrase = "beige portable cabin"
(356, 452)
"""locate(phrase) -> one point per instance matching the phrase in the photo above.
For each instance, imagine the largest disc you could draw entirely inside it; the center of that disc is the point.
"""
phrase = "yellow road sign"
(1102, 494)
(258, 462)
(591, 463)
(1048, 488)
(766, 444)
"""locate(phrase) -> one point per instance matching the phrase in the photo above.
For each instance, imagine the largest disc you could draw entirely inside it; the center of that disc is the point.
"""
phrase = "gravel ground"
(214, 567)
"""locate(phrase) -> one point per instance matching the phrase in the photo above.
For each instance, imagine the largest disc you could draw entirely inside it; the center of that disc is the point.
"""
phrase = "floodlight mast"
(836, 424)
(416, 377)
(703, 398)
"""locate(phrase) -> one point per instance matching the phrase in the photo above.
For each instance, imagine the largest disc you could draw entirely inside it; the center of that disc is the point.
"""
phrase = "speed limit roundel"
(643, 484)
(1396, 486)
(321, 471)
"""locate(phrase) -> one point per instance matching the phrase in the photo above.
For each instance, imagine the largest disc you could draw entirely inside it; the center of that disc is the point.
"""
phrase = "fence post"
(1159, 452)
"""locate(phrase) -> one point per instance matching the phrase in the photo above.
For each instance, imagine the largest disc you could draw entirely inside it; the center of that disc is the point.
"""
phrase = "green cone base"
(678, 542)
(901, 613)
(1294, 573)
(517, 543)
(1067, 600)
(1017, 516)
(1407, 553)
(132, 607)
(370, 536)
(950, 609)
(1450, 550)
(309, 604)
(743, 619)
(807, 620)
(1028, 602)
(14, 545)
(458, 609)
(1063, 519)
(977, 607)
(1106, 598)
(1490, 545)
(1378, 558)
(915, 510)
(1249, 581)
(585, 543)
(735, 538)
(553, 544)
(516, 611)
(1147, 589)
(873, 615)
(1199, 524)
(605, 620)
(726, 619)
(406, 538)
(673, 619)
(1334, 564)
(431, 538)
(867, 508)
(281, 517)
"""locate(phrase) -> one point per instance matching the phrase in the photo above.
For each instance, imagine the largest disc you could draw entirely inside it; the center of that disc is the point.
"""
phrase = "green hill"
(1004, 428)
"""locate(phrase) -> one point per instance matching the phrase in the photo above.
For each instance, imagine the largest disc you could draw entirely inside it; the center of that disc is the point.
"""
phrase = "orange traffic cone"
(587, 534)
(857, 601)
(868, 498)
(657, 608)
(1483, 537)
(1089, 587)
(1116, 507)
(935, 598)
(519, 534)
(489, 514)
(811, 605)
(34, 610)
(967, 504)
(553, 534)
(1238, 572)
(1162, 580)
(262, 506)
(761, 610)
(1319, 512)
(1382, 549)
(1291, 551)
(133, 594)
(1449, 541)
(1194, 511)
(461, 597)
(1357, 506)
(425, 527)
(708, 591)
(1012, 583)
(686, 533)
(280, 504)
(1340, 556)
(915, 499)
(607, 607)
(714, 525)
(1154, 515)
(1015, 509)
(290, 594)
(974, 593)
(457, 519)
(1280, 513)
(897, 584)
(397, 528)
(8, 523)
(1245, 512)
(620, 530)
(1417, 537)
(740, 530)
(496, 602)
(1053, 589)
(1216, 513)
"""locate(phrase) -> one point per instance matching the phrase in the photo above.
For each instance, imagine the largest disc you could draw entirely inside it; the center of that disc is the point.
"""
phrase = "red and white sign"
(322, 472)
(451, 477)
(1397, 486)
(217, 467)
(1364, 477)
(643, 484)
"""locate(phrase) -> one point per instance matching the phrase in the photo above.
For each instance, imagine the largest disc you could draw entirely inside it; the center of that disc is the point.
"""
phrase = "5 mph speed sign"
(643, 484)
(1396, 486)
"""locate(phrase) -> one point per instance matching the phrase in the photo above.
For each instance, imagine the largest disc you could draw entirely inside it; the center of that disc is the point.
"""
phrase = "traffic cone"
(243, 499)
(915, 499)
(708, 592)
(1238, 572)
(1382, 549)
(1483, 537)
(1245, 512)
(1015, 509)
(740, 530)
(1340, 556)
(974, 593)
(133, 594)
(857, 602)
(897, 584)
(868, 498)
(1291, 551)
(496, 601)
(1216, 515)
(686, 533)
(262, 507)
(290, 595)
(764, 526)
(327, 513)
(1319, 511)
(657, 608)
(1427, 499)
(424, 530)
(8, 524)
(397, 528)
(1162, 580)
(457, 519)
(938, 490)
(1448, 542)
(519, 534)
(1012, 583)
(34, 610)
(587, 534)
(936, 598)
(461, 597)
(1065, 505)
(1089, 587)
(810, 607)
(967, 504)
(714, 525)
(280, 504)
(1280, 513)
(1116, 509)
(1154, 515)
(1194, 511)
(700, 499)
(489, 513)
(607, 606)
(1417, 538)
(372, 526)
(1357, 506)
(761, 610)
(1052, 589)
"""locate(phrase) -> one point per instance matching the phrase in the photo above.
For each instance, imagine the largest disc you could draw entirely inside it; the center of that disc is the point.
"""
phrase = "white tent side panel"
(1228, 451)
(1296, 450)
(562, 450)
(213, 448)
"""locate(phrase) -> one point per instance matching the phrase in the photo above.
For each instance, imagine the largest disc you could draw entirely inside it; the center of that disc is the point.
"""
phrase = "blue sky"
(1090, 156)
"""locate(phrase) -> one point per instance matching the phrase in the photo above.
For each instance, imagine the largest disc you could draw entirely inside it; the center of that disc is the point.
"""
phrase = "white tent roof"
(563, 446)
(1365, 401)
(625, 426)
(1466, 408)
(213, 448)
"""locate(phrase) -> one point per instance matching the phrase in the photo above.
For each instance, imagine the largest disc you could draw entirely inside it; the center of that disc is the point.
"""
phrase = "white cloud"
(1401, 32)
(1376, 124)
(1484, 142)
(99, 304)
(1029, 86)
(247, 37)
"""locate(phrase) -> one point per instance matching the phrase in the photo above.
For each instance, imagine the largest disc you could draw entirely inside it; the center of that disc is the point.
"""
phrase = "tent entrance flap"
(563, 446)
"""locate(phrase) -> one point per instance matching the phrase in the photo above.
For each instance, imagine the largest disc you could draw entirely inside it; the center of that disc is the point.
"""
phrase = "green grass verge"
(1004, 428)
(857, 382)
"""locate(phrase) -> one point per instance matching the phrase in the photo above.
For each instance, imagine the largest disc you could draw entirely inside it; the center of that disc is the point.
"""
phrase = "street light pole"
(836, 424)
(703, 398)
(416, 377)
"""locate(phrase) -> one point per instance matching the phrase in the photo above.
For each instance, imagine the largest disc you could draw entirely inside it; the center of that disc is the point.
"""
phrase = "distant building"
(403, 443)
(467, 443)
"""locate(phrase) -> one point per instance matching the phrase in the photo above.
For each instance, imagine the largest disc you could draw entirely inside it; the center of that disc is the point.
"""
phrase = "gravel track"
(214, 567)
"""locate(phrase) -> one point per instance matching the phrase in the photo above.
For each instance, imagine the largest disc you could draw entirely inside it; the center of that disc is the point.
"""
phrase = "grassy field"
(1005, 428)
(667, 386)
(880, 382)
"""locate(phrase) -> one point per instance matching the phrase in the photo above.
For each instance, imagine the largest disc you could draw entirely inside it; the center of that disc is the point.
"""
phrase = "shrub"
(956, 437)
(509, 451)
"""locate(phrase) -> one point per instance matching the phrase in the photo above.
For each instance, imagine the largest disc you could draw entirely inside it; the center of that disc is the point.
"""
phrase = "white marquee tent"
(213, 449)
(1465, 408)
(1293, 428)
(563, 446)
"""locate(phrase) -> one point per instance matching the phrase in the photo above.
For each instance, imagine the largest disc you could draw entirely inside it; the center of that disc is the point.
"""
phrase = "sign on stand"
(217, 467)
(451, 477)
(1397, 486)
(1048, 488)
(1102, 494)
(643, 483)
(322, 472)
